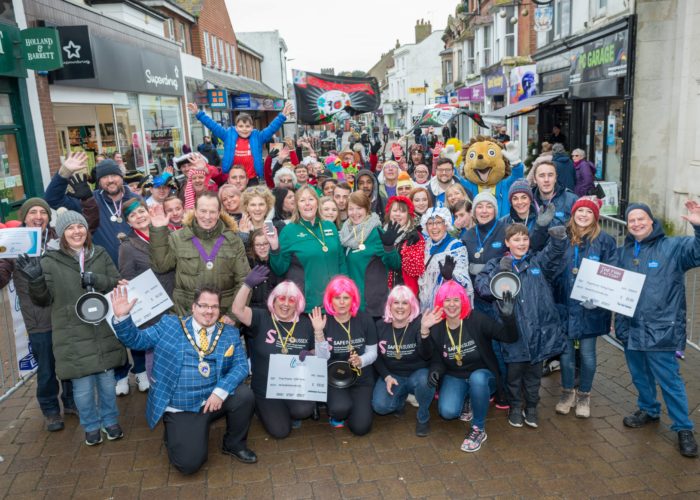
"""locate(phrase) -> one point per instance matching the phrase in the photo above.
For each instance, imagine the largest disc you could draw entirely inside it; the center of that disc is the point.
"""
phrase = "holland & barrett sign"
(41, 49)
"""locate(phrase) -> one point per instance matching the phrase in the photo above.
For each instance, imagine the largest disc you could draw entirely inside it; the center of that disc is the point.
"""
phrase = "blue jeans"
(587, 352)
(416, 384)
(651, 367)
(47, 386)
(453, 391)
(100, 413)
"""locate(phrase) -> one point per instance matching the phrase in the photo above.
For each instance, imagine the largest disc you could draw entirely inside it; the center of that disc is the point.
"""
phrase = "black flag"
(321, 97)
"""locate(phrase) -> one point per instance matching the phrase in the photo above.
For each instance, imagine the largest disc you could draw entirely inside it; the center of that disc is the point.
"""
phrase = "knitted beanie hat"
(31, 203)
(107, 167)
(590, 202)
(638, 206)
(404, 179)
(520, 186)
(487, 197)
(66, 218)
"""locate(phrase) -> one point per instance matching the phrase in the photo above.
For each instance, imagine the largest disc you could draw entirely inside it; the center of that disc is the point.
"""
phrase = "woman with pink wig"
(464, 362)
(404, 359)
(279, 329)
(352, 337)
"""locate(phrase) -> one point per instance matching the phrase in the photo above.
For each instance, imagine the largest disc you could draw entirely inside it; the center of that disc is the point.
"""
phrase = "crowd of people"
(384, 264)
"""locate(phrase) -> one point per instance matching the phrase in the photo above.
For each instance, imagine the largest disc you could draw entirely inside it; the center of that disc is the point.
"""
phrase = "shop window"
(11, 186)
(86, 128)
(183, 36)
(162, 125)
(471, 65)
(487, 45)
(510, 32)
(207, 54)
(128, 133)
(5, 110)
(215, 50)
(460, 66)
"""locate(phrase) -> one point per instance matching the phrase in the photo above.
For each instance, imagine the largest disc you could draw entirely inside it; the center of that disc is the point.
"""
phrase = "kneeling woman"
(352, 337)
(404, 359)
(464, 360)
(278, 330)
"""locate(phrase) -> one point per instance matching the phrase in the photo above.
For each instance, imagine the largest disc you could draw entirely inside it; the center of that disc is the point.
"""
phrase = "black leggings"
(354, 405)
(523, 377)
(276, 415)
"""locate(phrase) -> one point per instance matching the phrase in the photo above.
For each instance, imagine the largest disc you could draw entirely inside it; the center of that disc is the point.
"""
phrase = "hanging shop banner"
(320, 97)
(76, 52)
(41, 49)
(496, 82)
(543, 18)
(250, 103)
(523, 82)
(602, 59)
(10, 57)
(217, 98)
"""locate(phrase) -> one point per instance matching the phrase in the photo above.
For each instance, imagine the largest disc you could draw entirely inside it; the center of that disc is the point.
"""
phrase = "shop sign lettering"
(602, 59)
(41, 49)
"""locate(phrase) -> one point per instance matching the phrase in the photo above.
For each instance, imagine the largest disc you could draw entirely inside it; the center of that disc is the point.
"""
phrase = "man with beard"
(109, 194)
(444, 178)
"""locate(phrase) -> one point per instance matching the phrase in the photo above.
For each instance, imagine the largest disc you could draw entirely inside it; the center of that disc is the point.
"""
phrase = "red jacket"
(267, 168)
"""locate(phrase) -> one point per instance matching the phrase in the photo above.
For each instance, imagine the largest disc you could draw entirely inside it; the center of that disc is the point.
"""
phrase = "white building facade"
(274, 50)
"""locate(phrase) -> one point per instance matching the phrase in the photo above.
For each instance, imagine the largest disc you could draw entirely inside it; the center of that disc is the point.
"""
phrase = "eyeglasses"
(287, 300)
(262, 245)
(207, 306)
(436, 222)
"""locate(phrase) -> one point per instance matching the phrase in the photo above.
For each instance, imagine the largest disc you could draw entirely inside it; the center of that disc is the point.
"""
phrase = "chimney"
(423, 30)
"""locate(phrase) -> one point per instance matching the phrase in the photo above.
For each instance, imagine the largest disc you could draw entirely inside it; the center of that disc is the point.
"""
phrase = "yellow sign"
(416, 90)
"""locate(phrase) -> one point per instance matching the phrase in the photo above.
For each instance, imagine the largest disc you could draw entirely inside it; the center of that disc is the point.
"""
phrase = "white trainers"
(142, 381)
(122, 386)
(411, 399)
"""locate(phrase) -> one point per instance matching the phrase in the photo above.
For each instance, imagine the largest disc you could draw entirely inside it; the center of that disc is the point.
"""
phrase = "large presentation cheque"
(290, 378)
(609, 287)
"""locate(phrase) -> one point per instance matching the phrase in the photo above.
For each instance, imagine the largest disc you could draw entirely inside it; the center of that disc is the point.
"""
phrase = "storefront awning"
(524, 106)
(240, 84)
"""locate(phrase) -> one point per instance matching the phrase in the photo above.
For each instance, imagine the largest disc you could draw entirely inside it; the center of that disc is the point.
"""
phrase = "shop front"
(471, 97)
(113, 97)
(596, 115)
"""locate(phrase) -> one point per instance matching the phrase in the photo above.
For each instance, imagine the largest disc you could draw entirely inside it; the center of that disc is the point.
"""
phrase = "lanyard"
(518, 261)
(211, 257)
(351, 349)
(212, 344)
(397, 345)
(637, 249)
(117, 214)
(81, 260)
(142, 235)
(458, 348)
(321, 240)
(289, 332)
(486, 238)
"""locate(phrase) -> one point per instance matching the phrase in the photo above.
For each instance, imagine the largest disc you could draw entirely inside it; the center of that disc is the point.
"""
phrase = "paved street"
(564, 457)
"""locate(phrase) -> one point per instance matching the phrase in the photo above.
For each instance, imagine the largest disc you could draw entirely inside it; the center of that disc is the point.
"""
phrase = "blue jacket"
(106, 233)
(538, 234)
(229, 136)
(582, 322)
(169, 342)
(658, 323)
(501, 188)
(563, 201)
(540, 326)
(566, 172)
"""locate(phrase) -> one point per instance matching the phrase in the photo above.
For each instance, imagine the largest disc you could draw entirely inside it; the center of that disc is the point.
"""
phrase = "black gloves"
(588, 304)
(274, 152)
(29, 266)
(87, 280)
(506, 263)
(507, 304)
(448, 268)
(546, 215)
(433, 378)
(256, 276)
(389, 236)
(375, 147)
(81, 188)
(557, 232)
(414, 236)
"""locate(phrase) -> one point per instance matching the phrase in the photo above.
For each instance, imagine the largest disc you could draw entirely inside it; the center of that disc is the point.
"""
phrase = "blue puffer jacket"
(582, 322)
(658, 323)
(502, 187)
(563, 201)
(540, 326)
(230, 136)
(538, 234)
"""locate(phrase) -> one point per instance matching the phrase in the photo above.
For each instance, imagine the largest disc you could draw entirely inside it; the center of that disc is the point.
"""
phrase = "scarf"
(190, 196)
(349, 231)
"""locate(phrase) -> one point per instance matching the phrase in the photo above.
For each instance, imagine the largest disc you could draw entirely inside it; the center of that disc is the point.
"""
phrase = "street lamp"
(425, 93)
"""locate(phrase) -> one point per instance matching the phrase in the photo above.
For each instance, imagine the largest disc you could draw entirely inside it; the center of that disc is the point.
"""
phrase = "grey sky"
(343, 35)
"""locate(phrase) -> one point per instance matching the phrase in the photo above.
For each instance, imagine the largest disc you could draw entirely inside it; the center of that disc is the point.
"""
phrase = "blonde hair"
(328, 199)
(296, 217)
(257, 192)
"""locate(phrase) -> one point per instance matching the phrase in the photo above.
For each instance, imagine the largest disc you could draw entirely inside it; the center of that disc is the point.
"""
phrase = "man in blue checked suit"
(199, 368)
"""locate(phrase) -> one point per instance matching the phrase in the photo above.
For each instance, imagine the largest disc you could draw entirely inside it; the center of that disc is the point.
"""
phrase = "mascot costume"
(490, 166)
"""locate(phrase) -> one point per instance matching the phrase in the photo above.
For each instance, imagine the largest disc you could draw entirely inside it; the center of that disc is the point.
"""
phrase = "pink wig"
(401, 292)
(337, 286)
(449, 290)
(287, 289)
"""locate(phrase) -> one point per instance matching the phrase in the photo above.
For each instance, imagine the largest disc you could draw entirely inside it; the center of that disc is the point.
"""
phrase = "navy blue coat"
(563, 201)
(566, 172)
(540, 325)
(538, 234)
(494, 247)
(106, 233)
(658, 323)
(582, 322)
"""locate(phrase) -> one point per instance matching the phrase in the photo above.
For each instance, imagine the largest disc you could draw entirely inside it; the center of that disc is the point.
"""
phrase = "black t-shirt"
(265, 341)
(362, 333)
(415, 351)
(472, 359)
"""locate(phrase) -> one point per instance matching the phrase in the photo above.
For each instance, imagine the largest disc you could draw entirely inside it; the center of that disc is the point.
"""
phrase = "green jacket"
(80, 349)
(368, 268)
(300, 258)
(175, 250)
